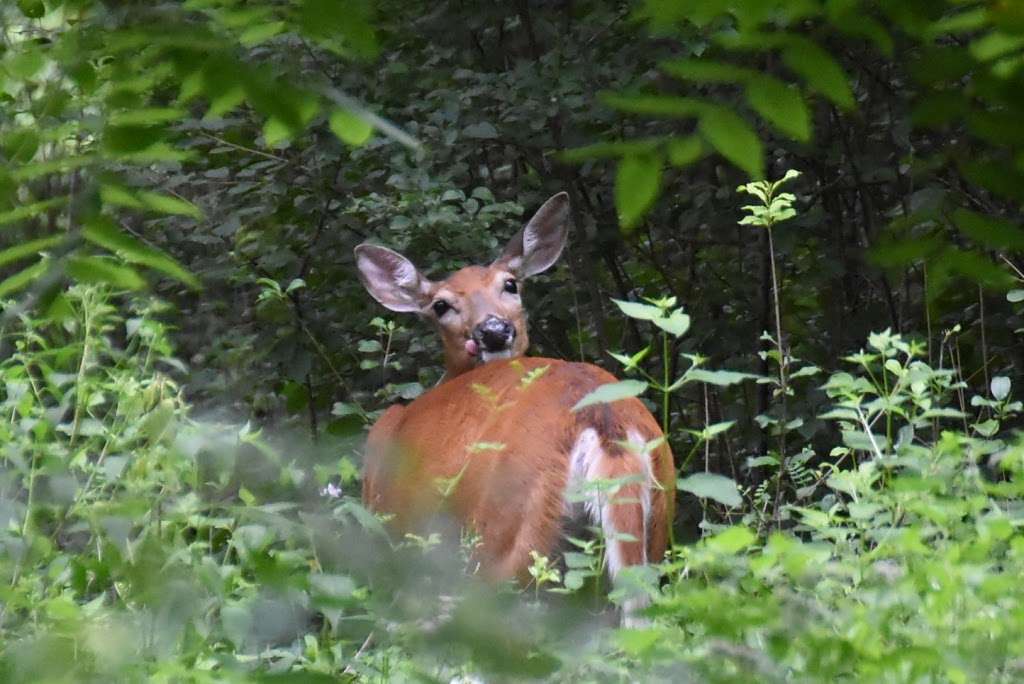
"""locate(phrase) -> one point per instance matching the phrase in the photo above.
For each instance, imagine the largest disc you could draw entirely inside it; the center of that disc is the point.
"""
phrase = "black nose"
(494, 334)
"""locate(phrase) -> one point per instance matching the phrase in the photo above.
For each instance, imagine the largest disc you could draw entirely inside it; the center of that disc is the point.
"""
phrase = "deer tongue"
(472, 348)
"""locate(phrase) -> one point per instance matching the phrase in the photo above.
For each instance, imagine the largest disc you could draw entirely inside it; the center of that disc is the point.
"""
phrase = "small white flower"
(331, 491)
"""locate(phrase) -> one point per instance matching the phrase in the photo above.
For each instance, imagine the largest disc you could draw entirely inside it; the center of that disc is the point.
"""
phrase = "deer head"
(478, 310)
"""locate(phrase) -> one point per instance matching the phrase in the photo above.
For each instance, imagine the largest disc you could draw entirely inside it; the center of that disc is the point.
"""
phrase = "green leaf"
(27, 249)
(707, 71)
(684, 151)
(349, 20)
(712, 486)
(33, 9)
(989, 231)
(613, 391)
(677, 323)
(654, 105)
(637, 184)
(167, 204)
(610, 150)
(119, 195)
(642, 312)
(781, 106)
(102, 231)
(90, 269)
(721, 378)
(22, 278)
(817, 67)
(27, 211)
(350, 128)
(731, 540)
(734, 139)
(716, 429)
(1015, 296)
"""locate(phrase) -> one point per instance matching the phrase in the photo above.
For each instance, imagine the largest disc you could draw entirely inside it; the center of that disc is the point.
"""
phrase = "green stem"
(665, 382)
(783, 385)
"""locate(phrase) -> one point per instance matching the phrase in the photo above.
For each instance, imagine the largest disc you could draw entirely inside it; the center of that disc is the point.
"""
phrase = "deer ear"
(538, 245)
(392, 279)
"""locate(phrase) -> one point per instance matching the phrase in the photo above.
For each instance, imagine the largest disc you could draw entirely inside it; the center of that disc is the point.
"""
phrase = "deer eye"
(511, 286)
(440, 307)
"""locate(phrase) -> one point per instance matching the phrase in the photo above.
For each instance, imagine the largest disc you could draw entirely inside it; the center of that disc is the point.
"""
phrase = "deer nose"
(494, 334)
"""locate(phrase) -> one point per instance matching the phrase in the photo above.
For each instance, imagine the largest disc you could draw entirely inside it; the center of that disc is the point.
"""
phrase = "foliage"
(189, 363)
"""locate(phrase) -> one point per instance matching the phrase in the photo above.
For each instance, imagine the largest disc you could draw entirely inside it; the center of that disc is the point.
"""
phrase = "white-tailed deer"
(496, 444)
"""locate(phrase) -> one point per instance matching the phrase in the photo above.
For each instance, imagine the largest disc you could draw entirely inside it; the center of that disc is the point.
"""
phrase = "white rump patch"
(584, 460)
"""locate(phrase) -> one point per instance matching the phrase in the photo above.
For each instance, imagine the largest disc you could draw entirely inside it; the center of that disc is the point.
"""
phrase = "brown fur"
(512, 497)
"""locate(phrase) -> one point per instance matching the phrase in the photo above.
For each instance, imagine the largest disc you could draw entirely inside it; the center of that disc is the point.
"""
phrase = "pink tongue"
(472, 348)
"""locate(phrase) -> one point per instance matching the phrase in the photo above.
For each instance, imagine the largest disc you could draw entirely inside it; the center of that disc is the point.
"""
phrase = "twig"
(349, 670)
(243, 148)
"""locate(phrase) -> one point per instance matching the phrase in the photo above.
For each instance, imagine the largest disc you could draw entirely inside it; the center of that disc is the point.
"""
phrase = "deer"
(499, 430)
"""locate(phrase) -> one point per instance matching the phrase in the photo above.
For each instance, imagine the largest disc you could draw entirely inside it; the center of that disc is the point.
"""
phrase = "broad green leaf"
(260, 33)
(734, 139)
(637, 642)
(721, 378)
(684, 151)
(105, 233)
(712, 486)
(731, 540)
(780, 105)
(90, 269)
(351, 21)
(33, 9)
(989, 231)
(715, 429)
(1015, 296)
(819, 69)
(637, 184)
(350, 128)
(613, 391)
(677, 323)
(643, 312)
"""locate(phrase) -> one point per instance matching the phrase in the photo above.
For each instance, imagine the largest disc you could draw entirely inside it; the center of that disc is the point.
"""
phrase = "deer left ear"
(538, 245)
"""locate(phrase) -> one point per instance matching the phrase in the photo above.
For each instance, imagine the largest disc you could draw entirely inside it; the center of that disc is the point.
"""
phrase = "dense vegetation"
(796, 229)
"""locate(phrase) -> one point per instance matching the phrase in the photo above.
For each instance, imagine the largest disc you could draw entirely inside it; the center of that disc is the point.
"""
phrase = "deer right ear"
(538, 245)
(392, 279)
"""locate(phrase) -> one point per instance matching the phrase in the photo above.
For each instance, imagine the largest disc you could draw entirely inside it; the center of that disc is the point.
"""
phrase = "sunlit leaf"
(350, 128)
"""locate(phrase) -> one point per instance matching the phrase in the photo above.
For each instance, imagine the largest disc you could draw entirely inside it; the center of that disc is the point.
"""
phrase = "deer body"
(497, 445)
